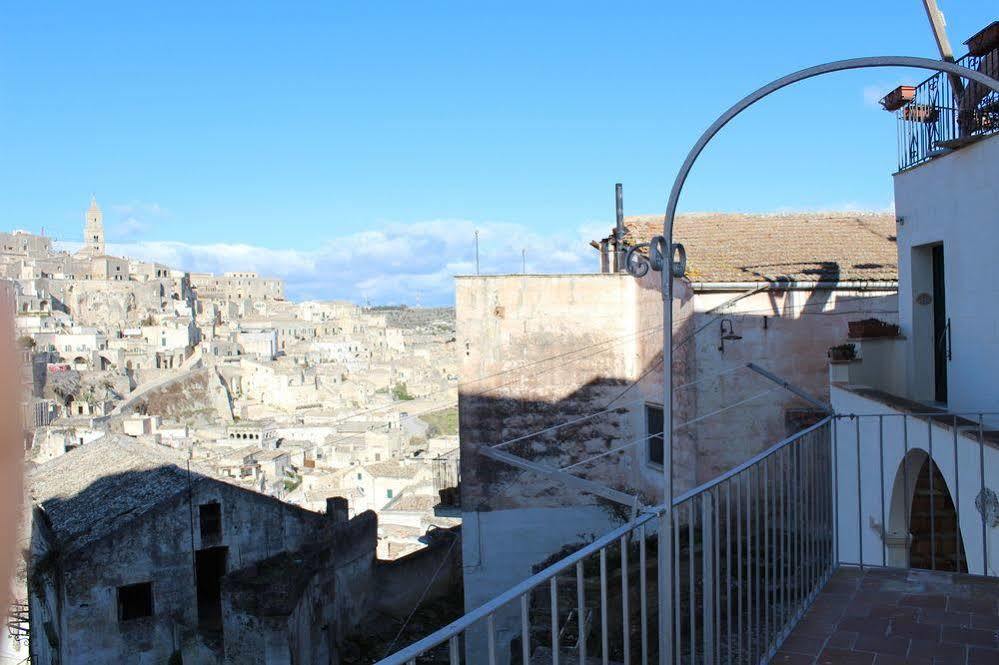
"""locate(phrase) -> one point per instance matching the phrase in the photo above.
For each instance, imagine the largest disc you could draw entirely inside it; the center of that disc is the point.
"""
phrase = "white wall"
(954, 199)
(963, 480)
(515, 541)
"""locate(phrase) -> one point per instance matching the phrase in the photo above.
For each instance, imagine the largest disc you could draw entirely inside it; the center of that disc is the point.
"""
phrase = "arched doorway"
(936, 542)
(922, 524)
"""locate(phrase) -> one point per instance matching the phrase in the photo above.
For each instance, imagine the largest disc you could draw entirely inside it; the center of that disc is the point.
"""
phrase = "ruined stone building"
(542, 350)
(135, 558)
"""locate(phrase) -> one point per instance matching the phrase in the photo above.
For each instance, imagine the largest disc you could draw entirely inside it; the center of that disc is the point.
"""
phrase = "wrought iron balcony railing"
(945, 112)
(751, 549)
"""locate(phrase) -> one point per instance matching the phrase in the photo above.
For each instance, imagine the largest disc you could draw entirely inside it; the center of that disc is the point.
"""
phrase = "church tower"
(93, 232)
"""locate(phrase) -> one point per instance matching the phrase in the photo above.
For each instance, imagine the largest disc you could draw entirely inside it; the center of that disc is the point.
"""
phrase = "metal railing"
(913, 491)
(751, 549)
(947, 112)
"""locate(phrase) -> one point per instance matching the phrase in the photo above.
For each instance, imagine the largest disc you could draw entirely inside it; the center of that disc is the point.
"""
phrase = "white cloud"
(134, 219)
(397, 263)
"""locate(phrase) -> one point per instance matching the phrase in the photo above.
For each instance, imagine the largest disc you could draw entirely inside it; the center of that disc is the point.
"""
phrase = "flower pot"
(842, 353)
(898, 97)
(921, 113)
(872, 328)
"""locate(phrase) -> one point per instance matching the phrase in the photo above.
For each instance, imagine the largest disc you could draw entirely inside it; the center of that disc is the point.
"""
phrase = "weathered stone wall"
(298, 607)
(159, 549)
(538, 351)
(785, 332)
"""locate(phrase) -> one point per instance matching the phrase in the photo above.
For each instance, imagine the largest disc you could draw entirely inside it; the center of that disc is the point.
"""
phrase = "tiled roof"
(723, 247)
(414, 503)
(391, 469)
(96, 488)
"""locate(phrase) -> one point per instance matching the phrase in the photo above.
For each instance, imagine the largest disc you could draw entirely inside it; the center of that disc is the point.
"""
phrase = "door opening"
(941, 327)
(936, 538)
(209, 569)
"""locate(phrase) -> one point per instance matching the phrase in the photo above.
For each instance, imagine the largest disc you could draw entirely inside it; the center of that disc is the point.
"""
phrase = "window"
(358, 476)
(654, 430)
(135, 601)
(211, 521)
(388, 494)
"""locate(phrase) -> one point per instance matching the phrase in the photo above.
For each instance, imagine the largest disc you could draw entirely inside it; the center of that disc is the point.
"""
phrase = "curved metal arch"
(665, 563)
(811, 72)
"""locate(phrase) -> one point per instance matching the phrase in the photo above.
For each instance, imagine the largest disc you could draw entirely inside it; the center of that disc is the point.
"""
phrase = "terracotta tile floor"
(884, 617)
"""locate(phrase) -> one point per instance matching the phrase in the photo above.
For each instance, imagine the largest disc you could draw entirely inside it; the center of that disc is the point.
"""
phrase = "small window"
(388, 494)
(135, 601)
(358, 476)
(211, 521)
(654, 430)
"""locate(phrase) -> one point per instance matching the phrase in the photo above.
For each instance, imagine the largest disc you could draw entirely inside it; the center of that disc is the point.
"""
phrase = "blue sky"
(353, 147)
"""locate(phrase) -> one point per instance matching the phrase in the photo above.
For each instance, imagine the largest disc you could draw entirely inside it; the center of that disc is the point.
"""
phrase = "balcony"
(944, 112)
(869, 536)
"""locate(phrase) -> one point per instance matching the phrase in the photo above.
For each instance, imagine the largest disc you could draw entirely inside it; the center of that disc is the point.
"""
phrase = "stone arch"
(917, 536)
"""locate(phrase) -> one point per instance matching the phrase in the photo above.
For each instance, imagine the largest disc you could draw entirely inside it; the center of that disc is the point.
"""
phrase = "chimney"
(336, 509)
(619, 252)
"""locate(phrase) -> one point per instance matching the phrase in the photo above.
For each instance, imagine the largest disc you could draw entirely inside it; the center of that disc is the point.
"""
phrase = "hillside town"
(131, 366)
(732, 437)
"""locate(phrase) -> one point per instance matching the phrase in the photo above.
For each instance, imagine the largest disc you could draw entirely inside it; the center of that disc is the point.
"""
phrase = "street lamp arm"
(669, 269)
(811, 72)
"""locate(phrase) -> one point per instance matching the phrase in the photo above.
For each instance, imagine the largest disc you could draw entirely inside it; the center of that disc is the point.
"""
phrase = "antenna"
(939, 26)
(476, 251)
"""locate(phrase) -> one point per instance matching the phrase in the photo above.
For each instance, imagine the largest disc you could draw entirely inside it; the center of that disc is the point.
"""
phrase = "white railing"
(752, 548)
(913, 491)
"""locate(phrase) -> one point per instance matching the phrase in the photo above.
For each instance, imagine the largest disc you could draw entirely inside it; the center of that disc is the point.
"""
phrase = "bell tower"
(93, 232)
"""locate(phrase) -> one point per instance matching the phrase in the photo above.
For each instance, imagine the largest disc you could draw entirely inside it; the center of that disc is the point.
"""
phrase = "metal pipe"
(845, 285)
(554, 612)
(604, 638)
(625, 630)
(525, 631)
(981, 472)
(643, 599)
(860, 494)
(957, 503)
(933, 527)
(881, 466)
(580, 613)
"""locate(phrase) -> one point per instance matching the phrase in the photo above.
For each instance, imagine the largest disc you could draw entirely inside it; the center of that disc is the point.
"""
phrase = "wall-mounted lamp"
(727, 334)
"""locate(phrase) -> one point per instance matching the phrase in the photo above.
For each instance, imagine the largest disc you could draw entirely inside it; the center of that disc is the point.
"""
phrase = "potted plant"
(984, 41)
(898, 97)
(872, 328)
(921, 113)
(842, 353)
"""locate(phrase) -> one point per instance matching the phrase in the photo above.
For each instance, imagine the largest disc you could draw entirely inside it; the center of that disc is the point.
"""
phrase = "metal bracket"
(638, 264)
(569, 479)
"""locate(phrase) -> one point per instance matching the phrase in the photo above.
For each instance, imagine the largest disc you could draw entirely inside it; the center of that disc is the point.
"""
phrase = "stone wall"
(158, 549)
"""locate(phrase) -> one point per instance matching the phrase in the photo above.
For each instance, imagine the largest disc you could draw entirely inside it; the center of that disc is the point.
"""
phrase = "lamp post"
(669, 258)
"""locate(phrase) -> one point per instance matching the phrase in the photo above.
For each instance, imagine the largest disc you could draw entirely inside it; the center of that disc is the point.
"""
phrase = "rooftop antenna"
(939, 26)
(476, 251)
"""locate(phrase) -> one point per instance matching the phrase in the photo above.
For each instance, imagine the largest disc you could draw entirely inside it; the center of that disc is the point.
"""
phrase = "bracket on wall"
(790, 387)
(569, 479)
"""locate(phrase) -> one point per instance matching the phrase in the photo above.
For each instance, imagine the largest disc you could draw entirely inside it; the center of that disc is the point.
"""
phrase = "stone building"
(93, 232)
(537, 351)
(129, 550)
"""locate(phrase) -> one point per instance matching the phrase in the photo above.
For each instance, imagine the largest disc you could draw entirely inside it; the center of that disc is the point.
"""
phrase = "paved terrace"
(889, 617)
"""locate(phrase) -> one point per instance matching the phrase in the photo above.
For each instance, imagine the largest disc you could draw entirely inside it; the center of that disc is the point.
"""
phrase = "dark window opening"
(209, 570)
(654, 430)
(210, 517)
(135, 601)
